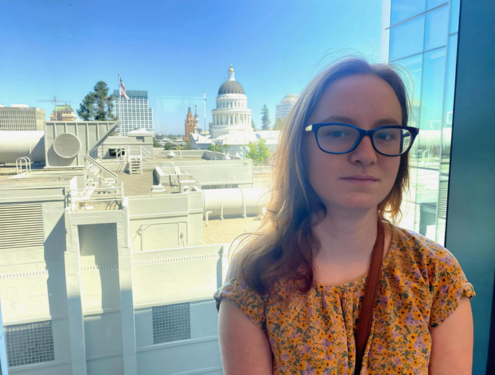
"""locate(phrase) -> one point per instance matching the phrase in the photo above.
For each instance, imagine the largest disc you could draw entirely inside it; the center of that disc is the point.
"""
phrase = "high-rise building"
(63, 113)
(285, 106)
(21, 117)
(189, 124)
(133, 113)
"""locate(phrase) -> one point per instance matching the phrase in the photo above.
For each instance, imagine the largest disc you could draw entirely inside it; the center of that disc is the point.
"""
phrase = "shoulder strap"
(370, 292)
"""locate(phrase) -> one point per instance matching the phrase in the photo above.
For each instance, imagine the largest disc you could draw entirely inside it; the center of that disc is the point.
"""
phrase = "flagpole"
(120, 108)
(204, 111)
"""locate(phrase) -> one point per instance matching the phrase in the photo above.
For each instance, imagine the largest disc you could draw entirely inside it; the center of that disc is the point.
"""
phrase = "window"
(175, 212)
(406, 39)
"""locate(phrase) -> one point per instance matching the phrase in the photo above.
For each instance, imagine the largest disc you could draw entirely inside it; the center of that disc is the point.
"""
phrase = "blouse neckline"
(360, 281)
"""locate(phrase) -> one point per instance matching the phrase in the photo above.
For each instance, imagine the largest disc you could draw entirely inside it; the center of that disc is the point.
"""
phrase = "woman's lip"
(360, 181)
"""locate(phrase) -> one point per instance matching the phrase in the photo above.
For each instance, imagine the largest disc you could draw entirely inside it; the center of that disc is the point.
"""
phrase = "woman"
(293, 296)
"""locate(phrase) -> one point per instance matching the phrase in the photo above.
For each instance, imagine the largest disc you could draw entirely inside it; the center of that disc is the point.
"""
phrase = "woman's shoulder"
(416, 251)
(411, 243)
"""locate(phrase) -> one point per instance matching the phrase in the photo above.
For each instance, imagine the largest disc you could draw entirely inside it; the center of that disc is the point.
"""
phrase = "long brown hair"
(285, 245)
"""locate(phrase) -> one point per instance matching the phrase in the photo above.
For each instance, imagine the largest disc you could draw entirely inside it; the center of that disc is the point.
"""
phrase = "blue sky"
(176, 49)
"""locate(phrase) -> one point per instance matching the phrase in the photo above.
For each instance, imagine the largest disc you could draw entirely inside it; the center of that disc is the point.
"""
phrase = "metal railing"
(19, 163)
(100, 174)
(145, 154)
(98, 197)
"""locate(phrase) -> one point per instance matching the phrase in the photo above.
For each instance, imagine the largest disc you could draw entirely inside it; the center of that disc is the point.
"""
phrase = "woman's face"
(367, 102)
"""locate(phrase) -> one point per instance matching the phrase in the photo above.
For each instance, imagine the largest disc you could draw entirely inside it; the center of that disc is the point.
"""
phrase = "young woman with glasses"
(329, 285)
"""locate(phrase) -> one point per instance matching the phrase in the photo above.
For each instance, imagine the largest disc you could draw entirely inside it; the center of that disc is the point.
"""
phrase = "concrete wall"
(99, 293)
(32, 279)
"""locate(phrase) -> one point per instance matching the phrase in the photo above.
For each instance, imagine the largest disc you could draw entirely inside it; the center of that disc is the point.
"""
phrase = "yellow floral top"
(421, 284)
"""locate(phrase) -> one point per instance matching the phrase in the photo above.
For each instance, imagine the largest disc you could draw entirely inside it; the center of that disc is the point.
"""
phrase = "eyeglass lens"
(341, 139)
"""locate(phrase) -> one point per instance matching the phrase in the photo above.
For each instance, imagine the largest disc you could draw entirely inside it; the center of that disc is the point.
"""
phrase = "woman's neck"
(348, 236)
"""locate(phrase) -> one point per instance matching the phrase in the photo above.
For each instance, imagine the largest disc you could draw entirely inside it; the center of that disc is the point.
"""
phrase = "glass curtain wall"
(423, 40)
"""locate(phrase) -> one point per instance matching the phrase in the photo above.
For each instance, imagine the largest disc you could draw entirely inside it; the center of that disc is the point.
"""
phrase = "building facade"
(133, 113)
(21, 117)
(197, 128)
(285, 106)
(422, 38)
(189, 124)
(63, 113)
(232, 114)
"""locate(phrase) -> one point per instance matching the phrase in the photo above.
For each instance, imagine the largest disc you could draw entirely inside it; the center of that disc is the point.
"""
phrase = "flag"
(122, 89)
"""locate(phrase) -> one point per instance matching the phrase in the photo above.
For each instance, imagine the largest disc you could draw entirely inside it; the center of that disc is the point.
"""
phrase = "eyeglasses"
(338, 138)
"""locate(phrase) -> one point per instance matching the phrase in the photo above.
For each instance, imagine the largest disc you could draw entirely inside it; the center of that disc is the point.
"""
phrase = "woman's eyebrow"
(348, 120)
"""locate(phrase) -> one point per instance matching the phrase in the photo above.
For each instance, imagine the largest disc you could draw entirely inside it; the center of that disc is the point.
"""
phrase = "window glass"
(436, 27)
(407, 39)
(404, 9)
(430, 4)
(413, 66)
(454, 15)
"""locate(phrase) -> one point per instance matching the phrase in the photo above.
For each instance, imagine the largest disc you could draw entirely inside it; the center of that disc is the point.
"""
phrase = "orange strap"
(370, 293)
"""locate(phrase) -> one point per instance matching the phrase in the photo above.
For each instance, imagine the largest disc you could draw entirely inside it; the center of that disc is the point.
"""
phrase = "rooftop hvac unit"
(67, 145)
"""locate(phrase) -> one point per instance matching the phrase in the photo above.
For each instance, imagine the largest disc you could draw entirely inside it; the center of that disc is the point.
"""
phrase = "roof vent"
(67, 145)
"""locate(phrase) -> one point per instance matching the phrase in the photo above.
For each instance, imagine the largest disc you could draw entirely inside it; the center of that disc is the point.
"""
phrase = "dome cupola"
(231, 86)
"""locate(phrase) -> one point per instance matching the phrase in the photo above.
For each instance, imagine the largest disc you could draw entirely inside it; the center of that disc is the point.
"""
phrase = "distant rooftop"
(132, 94)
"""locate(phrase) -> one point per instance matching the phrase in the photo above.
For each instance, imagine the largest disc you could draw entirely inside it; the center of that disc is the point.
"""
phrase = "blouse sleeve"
(448, 284)
(244, 297)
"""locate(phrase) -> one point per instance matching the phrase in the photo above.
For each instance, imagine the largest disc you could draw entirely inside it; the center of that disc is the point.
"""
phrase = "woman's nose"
(364, 152)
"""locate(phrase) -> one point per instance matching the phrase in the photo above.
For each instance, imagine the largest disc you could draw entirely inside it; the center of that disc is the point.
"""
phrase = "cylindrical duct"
(236, 202)
(16, 144)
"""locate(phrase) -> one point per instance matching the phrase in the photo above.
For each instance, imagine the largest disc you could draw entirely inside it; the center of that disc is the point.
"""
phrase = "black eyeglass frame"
(362, 133)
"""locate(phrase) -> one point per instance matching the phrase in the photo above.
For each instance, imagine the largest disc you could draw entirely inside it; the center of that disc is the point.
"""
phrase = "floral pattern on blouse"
(421, 284)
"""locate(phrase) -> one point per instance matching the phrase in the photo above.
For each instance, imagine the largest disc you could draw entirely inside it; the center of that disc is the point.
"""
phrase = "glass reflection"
(404, 9)
(433, 81)
(407, 39)
(436, 27)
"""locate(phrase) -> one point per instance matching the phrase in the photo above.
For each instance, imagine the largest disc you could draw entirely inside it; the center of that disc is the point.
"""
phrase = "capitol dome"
(231, 87)
(231, 114)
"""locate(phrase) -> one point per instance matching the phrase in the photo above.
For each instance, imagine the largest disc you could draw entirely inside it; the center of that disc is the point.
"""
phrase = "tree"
(155, 143)
(187, 146)
(253, 124)
(279, 123)
(226, 148)
(97, 105)
(258, 151)
(169, 146)
(265, 118)
(216, 149)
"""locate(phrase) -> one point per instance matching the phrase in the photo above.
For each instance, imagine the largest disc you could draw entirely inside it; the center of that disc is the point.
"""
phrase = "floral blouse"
(421, 284)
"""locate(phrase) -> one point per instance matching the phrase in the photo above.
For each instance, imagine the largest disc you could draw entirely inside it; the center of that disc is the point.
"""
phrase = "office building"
(285, 106)
(63, 113)
(21, 117)
(133, 113)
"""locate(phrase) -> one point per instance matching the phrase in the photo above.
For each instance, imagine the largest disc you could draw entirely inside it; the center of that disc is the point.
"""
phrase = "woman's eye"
(384, 136)
(336, 134)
